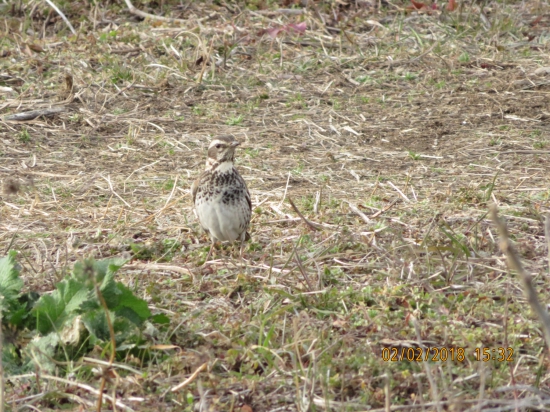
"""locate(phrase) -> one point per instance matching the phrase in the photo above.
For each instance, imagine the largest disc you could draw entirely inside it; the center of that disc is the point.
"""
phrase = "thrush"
(221, 198)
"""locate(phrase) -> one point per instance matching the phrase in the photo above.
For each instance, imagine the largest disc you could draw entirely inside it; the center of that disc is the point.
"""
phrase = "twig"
(515, 263)
(113, 344)
(135, 49)
(158, 212)
(399, 191)
(302, 270)
(140, 13)
(23, 116)
(506, 344)
(108, 180)
(356, 210)
(394, 63)
(384, 210)
(433, 386)
(311, 225)
(53, 6)
(481, 390)
(205, 61)
(157, 266)
(547, 236)
(317, 201)
(89, 389)
(335, 405)
(525, 152)
(281, 11)
(171, 194)
(286, 188)
(120, 365)
(141, 168)
(387, 392)
(190, 379)
(1, 364)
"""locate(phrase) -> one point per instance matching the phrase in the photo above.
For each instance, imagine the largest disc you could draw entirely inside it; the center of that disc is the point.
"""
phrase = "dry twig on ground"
(526, 279)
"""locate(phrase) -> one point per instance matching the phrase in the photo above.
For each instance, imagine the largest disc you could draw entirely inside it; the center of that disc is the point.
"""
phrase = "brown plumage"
(221, 198)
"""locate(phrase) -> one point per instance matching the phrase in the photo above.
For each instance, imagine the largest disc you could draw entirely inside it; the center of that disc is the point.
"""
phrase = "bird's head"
(221, 149)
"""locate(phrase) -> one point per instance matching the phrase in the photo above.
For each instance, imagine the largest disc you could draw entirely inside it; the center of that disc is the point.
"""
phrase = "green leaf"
(16, 317)
(52, 311)
(160, 319)
(96, 323)
(42, 351)
(131, 307)
(10, 282)
(104, 272)
(75, 299)
(110, 290)
(11, 360)
(21, 314)
(90, 269)
(125, 332)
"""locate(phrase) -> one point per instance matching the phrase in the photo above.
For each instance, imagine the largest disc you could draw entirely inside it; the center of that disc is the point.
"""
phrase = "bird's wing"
(247, 194)
(195, 188)
(247, 236)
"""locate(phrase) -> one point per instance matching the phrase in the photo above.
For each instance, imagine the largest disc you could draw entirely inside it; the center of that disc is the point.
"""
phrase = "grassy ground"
(391, 129)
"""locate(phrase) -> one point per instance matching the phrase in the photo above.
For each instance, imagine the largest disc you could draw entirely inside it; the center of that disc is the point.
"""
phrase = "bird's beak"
(235, 144)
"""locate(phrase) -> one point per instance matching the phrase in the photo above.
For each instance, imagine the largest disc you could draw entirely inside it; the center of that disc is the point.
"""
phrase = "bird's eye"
(218, 146)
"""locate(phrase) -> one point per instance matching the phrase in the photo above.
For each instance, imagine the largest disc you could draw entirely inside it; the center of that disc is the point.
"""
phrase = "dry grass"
(391, 141)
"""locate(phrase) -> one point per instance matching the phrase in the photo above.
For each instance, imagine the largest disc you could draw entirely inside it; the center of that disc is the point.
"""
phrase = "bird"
(220, 195)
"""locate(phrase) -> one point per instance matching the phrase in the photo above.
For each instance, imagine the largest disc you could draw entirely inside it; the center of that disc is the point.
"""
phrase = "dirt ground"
(391, 129)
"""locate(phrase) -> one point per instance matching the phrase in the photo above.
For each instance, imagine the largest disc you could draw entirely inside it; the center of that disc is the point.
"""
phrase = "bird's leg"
(243, 238)
(210, 251)
(242, 249)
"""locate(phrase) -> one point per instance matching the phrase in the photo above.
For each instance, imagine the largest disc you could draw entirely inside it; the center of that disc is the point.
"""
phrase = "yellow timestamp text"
(434, 354)
(495, 354)
(444, 354)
